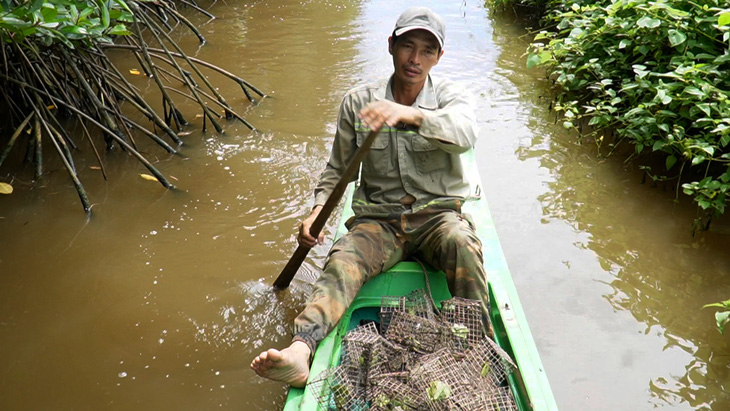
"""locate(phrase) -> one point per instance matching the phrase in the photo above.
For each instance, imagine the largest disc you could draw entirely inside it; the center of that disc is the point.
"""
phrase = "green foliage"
(64, 21)
(501, 4)
(721, 317)
(438, 391)
(654, 73)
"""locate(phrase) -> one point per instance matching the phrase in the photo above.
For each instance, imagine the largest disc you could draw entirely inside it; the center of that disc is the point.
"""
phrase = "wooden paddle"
(296, 260)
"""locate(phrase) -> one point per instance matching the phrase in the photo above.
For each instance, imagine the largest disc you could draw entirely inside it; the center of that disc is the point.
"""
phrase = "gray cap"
(421, 18)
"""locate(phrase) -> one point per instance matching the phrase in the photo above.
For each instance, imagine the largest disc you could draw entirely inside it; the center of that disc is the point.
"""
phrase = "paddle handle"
(296, 260)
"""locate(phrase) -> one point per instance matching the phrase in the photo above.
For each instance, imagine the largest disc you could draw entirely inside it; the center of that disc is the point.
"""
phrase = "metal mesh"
(391, 393)
(416, 303)
(501, 400)
(464, 318)
(335, 391)
(422, 335)
(421, 362)
(357, 351)
(488, 361)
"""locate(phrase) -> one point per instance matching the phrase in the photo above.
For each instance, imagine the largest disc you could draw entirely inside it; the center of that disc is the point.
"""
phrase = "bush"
(653, 73)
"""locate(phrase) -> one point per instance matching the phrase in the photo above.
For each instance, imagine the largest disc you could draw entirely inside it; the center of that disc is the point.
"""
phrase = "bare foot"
(290, 365)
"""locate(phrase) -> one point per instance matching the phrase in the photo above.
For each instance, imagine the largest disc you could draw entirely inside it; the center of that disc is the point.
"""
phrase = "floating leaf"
(5, 188)
(135, 72)
(51, 107)
(148, 177)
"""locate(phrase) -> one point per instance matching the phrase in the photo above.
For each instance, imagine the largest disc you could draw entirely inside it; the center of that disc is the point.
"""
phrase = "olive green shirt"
(423, 162)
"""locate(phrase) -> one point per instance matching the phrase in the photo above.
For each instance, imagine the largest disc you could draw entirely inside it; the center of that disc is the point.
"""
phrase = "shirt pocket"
(427, 156)
(379, 158)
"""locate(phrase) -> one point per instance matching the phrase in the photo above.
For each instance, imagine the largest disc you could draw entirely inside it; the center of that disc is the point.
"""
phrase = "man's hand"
(305, 238)
(378, 113)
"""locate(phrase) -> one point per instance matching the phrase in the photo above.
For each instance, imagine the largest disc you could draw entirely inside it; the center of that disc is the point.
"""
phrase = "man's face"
(414, 54)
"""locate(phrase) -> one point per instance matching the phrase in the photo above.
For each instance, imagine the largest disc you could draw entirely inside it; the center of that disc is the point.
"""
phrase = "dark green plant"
(652, 73)
(54, 67)
(722, 318)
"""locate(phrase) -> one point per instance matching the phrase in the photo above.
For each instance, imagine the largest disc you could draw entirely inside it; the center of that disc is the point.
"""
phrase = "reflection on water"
(161, 299)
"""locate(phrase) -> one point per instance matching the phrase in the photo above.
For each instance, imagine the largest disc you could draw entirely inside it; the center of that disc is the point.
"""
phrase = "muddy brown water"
(161, 298)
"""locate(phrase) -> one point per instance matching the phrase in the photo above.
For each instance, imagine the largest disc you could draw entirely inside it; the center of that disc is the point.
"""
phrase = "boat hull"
(529, 383)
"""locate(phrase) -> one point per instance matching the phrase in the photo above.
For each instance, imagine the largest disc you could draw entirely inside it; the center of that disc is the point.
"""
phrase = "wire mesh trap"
(419, 361)
(464, 317)
(417, 303)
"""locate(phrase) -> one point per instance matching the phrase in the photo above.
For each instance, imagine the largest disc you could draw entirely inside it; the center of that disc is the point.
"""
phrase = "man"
(409, 199)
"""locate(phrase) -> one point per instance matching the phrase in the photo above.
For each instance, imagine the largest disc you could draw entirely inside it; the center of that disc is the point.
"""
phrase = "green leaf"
(485, 369)
(85, 13)
(648, 22)
(724, 304)
(624, 43)
(705, 108)
(15, 22)
(104, 11)
(576, 33)
(722, 318)
(723, 19)
(676, 37)
(35, 6)
(460, 331)
(438, 390)
(725, 139)
(640, 70)
(119, 30)
(662, 96)
(123, 5)
(533, 60)
(671, 160)
(694, 91)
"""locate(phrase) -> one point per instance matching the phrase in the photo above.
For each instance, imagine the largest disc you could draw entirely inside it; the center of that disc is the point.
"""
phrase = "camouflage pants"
(441, 237)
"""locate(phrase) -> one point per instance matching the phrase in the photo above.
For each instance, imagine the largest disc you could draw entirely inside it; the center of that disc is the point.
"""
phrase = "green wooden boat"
(529, 384)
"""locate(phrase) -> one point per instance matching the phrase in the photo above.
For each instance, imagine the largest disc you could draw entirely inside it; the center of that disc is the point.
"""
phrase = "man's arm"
(343, 149)
(379, 113)
(452, 126)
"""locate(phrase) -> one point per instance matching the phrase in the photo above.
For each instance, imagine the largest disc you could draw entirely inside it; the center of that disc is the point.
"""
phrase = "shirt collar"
(426, 98)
